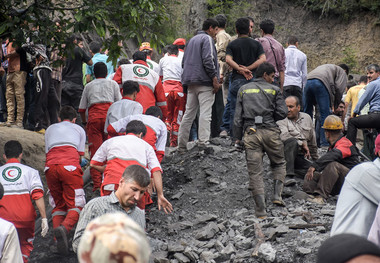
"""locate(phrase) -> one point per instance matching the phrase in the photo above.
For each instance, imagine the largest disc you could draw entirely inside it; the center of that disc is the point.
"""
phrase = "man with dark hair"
(97, 97)
(22, 184)
(333, 166)
(126, 106)
(244, 55)
(119, 152)
(298, 136)
(170, 72)
(156, 129)
(181, 44)
(133, 183)
(222, 41)
(72, 74)
(274, 51)
(259, 105)
(64, 146)
(97, 56)
(201, 77)
(371, 96)
(145, 47)
(296, 69)
(151, 90)
(325, 86)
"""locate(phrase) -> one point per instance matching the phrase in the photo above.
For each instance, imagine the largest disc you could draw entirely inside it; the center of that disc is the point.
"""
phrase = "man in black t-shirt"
(244, 55)
(72, 75)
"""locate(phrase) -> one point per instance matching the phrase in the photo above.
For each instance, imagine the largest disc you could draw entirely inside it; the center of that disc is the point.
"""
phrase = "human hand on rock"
(165, 204)
(310, 173)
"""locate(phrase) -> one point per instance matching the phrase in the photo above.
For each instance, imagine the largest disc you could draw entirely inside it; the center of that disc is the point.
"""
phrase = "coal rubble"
(214, 220)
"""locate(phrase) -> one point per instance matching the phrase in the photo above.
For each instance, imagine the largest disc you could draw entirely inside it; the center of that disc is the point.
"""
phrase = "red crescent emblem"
(9, 173)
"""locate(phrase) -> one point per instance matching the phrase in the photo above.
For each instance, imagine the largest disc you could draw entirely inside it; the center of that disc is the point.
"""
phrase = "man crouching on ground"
(259, 105)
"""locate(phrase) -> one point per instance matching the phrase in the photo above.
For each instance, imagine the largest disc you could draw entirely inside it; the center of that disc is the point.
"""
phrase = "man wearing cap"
(359, 198)
(145, 47)
(151, 89)
(332, 167)
(180, 43)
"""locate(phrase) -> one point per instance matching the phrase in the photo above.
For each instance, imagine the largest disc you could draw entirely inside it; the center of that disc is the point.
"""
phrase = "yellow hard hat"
(332, 122)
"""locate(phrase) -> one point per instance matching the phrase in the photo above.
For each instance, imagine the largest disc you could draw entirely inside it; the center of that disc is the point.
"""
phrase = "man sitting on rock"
(298, 136)
(333, 166)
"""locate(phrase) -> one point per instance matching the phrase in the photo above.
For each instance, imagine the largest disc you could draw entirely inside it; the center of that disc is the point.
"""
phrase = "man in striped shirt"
(132, 186)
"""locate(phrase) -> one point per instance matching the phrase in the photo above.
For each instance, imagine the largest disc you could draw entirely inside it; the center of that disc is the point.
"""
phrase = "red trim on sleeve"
(37, 194)
(82, 110)
(160, 155)
(81, 153)
(155, 169)
(97, 163)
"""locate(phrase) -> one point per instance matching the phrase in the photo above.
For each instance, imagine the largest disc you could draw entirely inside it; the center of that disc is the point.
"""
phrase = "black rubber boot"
(278, 187)
(260, 206)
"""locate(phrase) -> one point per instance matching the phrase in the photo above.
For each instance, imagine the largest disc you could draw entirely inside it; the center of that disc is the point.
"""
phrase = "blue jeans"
(315, 92)
(229, 110)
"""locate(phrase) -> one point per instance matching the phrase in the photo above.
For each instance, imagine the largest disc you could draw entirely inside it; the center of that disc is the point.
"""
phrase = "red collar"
(172, 55)
(141, 62)
(148, 57)
(13, 160)
(127, 98)
(181, 50)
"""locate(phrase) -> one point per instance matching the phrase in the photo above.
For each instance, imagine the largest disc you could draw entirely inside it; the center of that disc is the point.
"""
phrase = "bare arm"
(101, 168)
(258, 62)
(282, 79)
(162, 202)
(41, 207)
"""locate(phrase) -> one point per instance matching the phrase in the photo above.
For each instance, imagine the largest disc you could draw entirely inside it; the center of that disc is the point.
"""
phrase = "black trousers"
(217, 114)
(296, 165)
(372, 120)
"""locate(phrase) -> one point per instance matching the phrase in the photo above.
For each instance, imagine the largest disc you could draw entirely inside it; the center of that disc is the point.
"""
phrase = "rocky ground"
(213, 218)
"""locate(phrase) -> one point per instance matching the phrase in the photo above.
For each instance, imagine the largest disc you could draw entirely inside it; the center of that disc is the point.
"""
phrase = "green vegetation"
(349, 58)
(112, 20)
(344, 8)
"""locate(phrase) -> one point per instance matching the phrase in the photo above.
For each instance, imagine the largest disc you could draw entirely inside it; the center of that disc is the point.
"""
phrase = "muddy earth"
(213, 218)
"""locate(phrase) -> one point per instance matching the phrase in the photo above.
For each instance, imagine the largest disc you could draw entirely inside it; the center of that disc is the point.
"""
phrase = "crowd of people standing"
(248, 88)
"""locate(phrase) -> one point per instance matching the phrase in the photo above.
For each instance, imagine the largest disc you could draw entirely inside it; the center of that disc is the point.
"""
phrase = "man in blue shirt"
(371, 96)
(95, 49)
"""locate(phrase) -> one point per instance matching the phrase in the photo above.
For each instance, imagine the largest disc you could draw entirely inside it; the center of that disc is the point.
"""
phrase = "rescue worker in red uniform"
(156, 136)
(171, 72)
(145, 47)
(97, 97)
(21, 185)
(119, 152)
(64, 144)
(156, 131)
(151, 90)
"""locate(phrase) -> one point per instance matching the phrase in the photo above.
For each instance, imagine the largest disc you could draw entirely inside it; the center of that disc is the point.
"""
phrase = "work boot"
(278, 187)
(60, 234)
(260, 206)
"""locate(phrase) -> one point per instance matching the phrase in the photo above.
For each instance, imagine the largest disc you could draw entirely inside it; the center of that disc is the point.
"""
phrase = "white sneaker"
(223, 134)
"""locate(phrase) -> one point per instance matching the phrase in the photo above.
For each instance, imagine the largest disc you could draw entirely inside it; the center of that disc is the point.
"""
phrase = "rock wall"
(324, 40)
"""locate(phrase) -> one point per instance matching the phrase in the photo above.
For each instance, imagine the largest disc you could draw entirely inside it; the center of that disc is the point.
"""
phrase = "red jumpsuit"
(97, 97)
(64, 143)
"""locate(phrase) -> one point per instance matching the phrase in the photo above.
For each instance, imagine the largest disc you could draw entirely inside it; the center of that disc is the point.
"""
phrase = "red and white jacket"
(121, 109)
(151, 90)
(122, 151)
(98, 95)
(156, 134)
(64, 144)
(21, 184)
